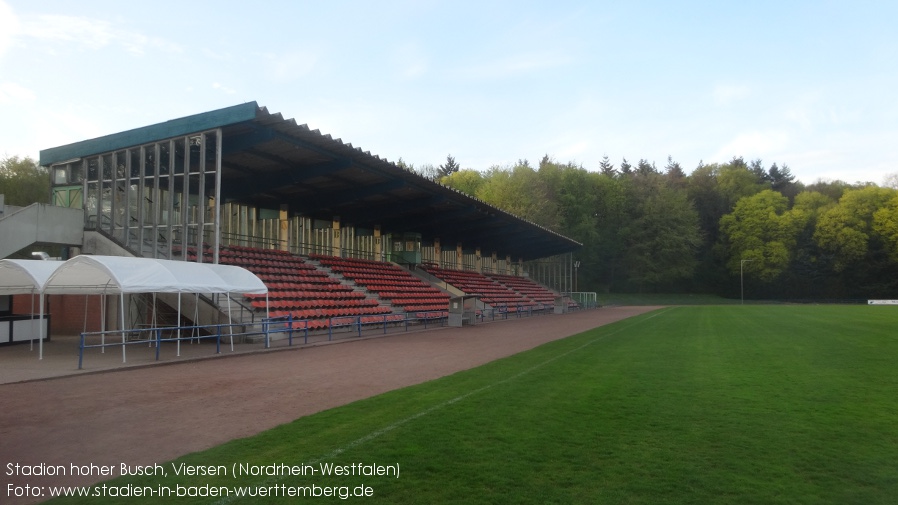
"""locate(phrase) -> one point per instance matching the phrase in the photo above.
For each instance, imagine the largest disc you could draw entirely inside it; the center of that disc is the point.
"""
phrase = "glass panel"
(149, 160)
(195, 155)
(93, 169)
(76, 171)
(107, 167)
(59, 175)
(135, 163)
(121, 167)
(106, 210)
(91, 204)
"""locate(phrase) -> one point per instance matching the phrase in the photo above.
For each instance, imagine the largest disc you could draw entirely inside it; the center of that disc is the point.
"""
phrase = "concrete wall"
(40, 224)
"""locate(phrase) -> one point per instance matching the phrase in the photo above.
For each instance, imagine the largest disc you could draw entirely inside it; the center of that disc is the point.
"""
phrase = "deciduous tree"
(844, 230)
(760, 235)
(23, 181)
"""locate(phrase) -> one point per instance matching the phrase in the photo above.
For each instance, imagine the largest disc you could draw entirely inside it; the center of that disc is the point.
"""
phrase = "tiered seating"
(191, 253)
(490, 291)
(392, 283)
(526, 287)
(300, 290)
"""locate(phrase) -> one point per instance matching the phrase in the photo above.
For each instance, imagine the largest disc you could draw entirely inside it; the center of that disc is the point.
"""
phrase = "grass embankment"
(724, 404)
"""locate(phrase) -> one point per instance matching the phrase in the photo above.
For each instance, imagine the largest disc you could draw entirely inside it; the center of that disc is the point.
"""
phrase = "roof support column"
(283, 229)
(507, 265)
(478, 261)
(336, 250)
(185, 205)
(459, 257)
(438, 252)
(378, 244)
(141, 192)
(494, 263)
(216, 212)
(201, 204)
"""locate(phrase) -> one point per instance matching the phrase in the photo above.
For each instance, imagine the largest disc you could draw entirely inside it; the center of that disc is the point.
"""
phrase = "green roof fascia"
(160, 131)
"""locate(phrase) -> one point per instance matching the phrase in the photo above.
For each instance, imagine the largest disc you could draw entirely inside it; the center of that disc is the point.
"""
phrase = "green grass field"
(703, 405)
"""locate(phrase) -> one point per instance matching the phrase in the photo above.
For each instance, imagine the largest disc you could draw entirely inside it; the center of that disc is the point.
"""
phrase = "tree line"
(650, 229)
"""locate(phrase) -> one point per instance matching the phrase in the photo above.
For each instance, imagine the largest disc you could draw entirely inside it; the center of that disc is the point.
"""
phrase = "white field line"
(386, 429)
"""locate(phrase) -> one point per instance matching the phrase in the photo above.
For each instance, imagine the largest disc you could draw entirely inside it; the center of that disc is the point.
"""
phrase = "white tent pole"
(84, 322)
(122, 307)
(31, 337)
(103, 323)
(179, 324)
(40, 325)
(196, 317)
(230, 328)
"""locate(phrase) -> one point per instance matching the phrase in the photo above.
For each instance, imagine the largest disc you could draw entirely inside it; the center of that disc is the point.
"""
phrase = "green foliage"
(662, 234)
(844, 230)
(467, 181)
(813, 202)
(606, 167)
(625, 167)
(23, 181)
(519, 191)
(449, 168)
(761, 233)
(675, 174)
(885, 224)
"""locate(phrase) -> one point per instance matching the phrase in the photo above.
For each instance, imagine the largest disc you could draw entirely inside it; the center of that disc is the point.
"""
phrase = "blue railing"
(293, 329)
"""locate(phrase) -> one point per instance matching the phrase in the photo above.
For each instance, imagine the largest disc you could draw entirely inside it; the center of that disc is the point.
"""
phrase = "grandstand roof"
(268, 161)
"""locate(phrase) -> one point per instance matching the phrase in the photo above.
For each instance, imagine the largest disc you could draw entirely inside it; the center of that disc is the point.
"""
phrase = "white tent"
(25, 276)
(93, 275)
(28, 277)
(119, 274)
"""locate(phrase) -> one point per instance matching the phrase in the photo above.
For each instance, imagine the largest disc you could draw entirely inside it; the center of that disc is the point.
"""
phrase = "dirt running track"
(155, 414)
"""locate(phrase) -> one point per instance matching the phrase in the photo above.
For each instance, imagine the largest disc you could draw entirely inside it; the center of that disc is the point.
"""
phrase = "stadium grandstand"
(333, 231)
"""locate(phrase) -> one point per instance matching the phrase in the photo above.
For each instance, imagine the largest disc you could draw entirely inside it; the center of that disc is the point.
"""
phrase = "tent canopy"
(25, 276)
(118, 274)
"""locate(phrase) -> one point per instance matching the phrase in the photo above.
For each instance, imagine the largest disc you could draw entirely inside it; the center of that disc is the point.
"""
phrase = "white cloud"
(224, 89)
(517, 64)
(215, 55)
(573, 150)
(289, 67)
(806, 111)
(84, 33)
(9, 25)
(751, 145)
(411, 61)
(11, 92)
(726, 94)
(89, 33)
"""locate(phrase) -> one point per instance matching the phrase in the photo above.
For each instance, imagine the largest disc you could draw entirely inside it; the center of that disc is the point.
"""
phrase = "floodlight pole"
(741, 281)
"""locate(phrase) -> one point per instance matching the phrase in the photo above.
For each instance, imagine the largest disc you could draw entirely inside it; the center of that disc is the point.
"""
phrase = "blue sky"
(809, 84)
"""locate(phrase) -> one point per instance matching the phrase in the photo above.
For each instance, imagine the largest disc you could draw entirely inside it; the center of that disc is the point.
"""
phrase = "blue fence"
(293, 330)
